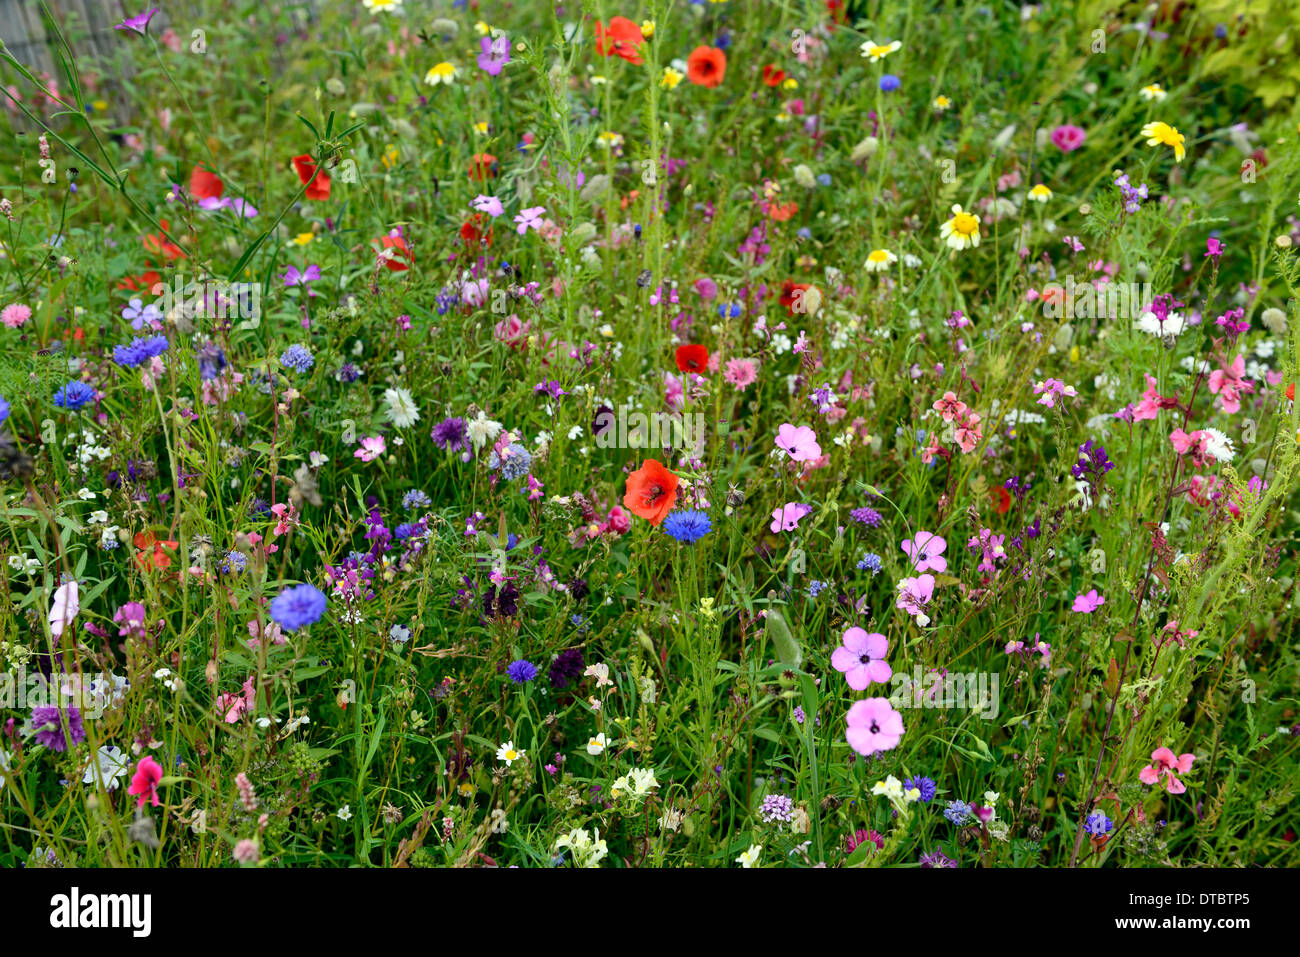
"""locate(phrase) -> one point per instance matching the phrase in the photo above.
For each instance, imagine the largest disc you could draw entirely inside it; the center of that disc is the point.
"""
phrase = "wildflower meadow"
(670, 434)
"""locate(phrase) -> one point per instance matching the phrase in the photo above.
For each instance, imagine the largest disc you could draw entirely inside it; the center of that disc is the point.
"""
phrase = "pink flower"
(787, 517)
(1068, 138)
(741, 373)
(1164, 763)
(1087, 604)
(968, 433)
(15, 315)
(487, 204)
(926, 553)
(145, 782)
(950, 407)
(861, 658)
(1213, 248)
(1231, 381)
(371, 448)
(874, 726)
(1050, 389)
(914, 596)
(799, 443)
(1150, 405)
(235, 705)
(530, 218)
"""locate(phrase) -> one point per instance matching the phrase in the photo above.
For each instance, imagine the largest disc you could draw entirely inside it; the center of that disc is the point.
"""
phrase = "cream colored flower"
(963, 230)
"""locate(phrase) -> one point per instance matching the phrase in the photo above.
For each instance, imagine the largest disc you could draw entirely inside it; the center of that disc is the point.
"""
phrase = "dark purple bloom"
(566, 667)
(47, 725)
(451, 434)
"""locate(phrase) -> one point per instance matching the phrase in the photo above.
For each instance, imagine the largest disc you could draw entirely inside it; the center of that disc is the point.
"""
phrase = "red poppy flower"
(651, 492)
(1001, 500)
(205, 185)
(160, 245)
(483, 166)
(313, 177)
(142, 283)
(622, 38)
(792, 294)
(836, 10)
(692, 358)
(783, 212)
(151, 553)
(402, 257)
(474, 235)
(1290, 392)
(706, 66)
(773, 75)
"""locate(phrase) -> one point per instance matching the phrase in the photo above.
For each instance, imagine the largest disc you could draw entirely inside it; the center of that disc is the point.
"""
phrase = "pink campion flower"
(1230, 380)
(931, 448)
(741, 373)
(530, 218)
(534, 488)
(1051, 389)
(145, 782)
(1089, 602)
(926, 553)
(799, 443)
(1068, 137)
(950, 407)
(914, 596)
(787, 517)
(968, 433)
(874, 726)
(1164, 763)
(371, 448)
(861, 658)
(487, 204)
(15, 315)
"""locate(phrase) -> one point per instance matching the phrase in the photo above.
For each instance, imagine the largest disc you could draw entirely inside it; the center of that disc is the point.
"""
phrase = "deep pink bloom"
(1213, 248)
(1068, 138)
(1164, 763)
(799, 443)
(1089, 602)
(926, 553)
(874, 726)
(1231, 381)
(145, 782)
(787, 517)
(861, 658)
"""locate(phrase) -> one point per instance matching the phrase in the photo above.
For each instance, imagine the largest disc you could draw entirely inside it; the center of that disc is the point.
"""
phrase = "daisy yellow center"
(879, 256)
(878, 50)
(964, 224)
(511, 754)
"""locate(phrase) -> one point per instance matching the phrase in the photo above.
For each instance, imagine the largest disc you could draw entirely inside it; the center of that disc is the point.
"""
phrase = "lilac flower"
(138, 314)
(798, 443)
(47, 726)
(776, 807)
(861, 658)
(137, 24)
(487, 204)
(914, 596)
(926, 553)
(298, 358)
(294, 277)
(937, 859)
(530, 218)
(495, 55)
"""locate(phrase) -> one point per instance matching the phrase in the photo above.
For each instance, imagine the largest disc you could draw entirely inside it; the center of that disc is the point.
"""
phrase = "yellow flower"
(647, 28)
(482, 28)
(878, 260)
(302, 239)
(381, 6)
(670, 78)
(1153, 92)
(1040, 194)
(441, 73)
(610, 139)
(481, 127)
(942, 103)
(876, 51)
(1158, 133)
(789, 83)
(99, 106)
(598, 80)
(963, 230)
(390, 157)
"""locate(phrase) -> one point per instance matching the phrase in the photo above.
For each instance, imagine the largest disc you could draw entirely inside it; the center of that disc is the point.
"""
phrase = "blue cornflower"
(924, 785)
(298, 607)
(4, 409)
(1097, 824)
(521, 671)
(957, 811)
(140, 350)
(687, 525)
(73, 396)
(870, 563)
(889, 83)
(298, 358)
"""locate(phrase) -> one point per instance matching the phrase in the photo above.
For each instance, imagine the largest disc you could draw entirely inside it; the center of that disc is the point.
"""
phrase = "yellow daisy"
(441, 73)
(1040, 194)
(879, 260)
(963, 230)
(1158, 133)
(877, 51)
(647, 29)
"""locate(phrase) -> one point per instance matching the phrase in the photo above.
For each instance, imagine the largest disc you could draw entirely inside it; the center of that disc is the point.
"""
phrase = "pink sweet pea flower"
(861, 658)
(145, 783)
(235, 705)
(1164, 763)
(874, 726)
(926, 553)
(1088, 603)
(799, 443)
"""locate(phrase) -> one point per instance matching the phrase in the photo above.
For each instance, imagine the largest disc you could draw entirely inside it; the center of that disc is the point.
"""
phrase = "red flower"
(205, 185)
(706, 66)
(483, 166)
(792, 294)
(692, 358)
(1001, 500)
(773, 75)
(402, 257)
(313, 177)
(783, 212)
(622, 38)
(159, 244)
(651, 492)
(474, 235)
(142, 283)
(151, 554)
(1290, 392)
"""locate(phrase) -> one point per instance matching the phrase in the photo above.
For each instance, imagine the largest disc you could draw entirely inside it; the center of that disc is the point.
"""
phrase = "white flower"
(1153, 92)
(509, 753)
(1218, 445)
(65, 607)
(600, 672)
(879, 260)
(85, 494)
(877, 51)
(344, 813)
(97, 517)
(296, 723)
(1171, 327)
(382, 6)
(597, 744)
(402, 410)
(482, 430)
(750, 857)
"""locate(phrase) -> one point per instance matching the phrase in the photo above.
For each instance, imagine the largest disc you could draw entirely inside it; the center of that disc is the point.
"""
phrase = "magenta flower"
(1088, 603)
(861, 658)
(914, 596)
(495, 55)
(530, 218)
(145, 782)
(926, 553)
(1213, 248)
(1068, 138)
(874, 726)
(787, 517)
(799, 443)
(1164, 763)
(371, 448)
(137, 24)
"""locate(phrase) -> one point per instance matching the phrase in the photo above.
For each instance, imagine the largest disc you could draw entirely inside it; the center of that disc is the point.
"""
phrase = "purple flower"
(451, 434)
(137, 24)
(521, 671)
(495, 55)
(874, 726)
(926, 553)
(861, 658)
(298, 607)
(47, 725)
(1088, 603)
(799, 443)
(294, 277)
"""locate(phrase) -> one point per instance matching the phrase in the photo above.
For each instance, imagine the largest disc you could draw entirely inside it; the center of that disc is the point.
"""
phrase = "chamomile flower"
(879, 260)
(941, 103)
(962, 231)
(878, 51)
(1159, 134)
(510, 754)
(441, 73)
(1040, 193)
(382, 6)
(1153, 92)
